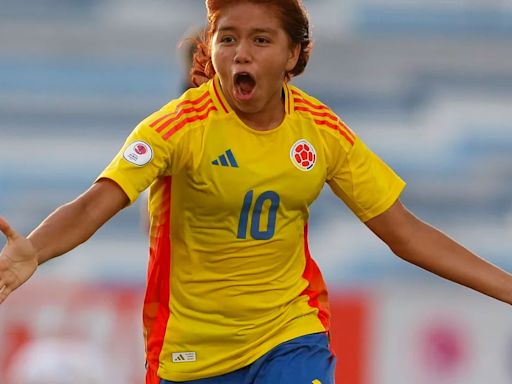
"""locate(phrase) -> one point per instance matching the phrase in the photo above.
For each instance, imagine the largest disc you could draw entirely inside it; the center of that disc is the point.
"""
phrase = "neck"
(268, 117)
(262, 121)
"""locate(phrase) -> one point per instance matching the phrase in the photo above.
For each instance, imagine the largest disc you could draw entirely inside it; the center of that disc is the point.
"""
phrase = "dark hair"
(187, 48)
(295, 22)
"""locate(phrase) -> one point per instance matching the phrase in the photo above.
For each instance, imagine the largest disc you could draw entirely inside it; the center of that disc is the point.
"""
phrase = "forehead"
(246, 15)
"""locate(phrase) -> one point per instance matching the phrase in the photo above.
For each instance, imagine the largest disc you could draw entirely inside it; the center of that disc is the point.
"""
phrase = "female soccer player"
(233, 295)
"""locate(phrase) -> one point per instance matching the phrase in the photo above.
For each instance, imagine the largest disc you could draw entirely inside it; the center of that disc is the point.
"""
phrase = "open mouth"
(244, 85)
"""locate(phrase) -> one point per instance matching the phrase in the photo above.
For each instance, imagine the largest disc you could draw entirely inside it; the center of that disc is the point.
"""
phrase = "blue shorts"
(304, 360)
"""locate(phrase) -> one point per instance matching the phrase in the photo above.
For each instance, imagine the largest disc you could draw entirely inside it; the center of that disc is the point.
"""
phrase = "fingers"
(10, 234)
(6, 229)
(4, 292)
(6, 283)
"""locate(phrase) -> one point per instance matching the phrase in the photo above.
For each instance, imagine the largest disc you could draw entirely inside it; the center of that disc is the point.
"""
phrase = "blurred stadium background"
(426, 83)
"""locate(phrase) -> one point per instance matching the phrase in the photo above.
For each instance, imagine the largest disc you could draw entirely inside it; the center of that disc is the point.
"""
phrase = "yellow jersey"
(230, 275)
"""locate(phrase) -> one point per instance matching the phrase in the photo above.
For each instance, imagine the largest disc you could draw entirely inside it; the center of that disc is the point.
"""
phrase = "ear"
(293, 57)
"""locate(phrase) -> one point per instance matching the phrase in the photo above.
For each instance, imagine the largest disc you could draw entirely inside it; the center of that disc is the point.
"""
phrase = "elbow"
(402, 248)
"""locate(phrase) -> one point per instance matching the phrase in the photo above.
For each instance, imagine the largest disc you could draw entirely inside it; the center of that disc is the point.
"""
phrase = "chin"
(248, 106)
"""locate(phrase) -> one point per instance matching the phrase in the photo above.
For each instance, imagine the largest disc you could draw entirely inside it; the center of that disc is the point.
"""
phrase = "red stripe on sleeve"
(321, 110)
(185, 102)
(310, 104)
(182, 112)
(347, 129)
(183, 122)
(319, 114)
(154, 123)
(338, 128)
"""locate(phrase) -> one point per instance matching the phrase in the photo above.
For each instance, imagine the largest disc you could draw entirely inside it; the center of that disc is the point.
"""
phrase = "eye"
(227, 39)
(261, 40)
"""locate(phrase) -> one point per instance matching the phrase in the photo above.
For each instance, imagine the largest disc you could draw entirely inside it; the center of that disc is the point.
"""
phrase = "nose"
(242, 53)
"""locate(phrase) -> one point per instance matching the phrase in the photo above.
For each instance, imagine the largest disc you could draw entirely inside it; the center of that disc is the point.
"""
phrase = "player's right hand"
(18, 260)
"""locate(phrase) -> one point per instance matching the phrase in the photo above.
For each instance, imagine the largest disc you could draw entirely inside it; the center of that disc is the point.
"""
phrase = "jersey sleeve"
(143, 157)
(366, 184)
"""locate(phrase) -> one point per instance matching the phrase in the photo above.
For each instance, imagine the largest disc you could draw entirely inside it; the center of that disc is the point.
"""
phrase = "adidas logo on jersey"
(183, 357)
(227, 159)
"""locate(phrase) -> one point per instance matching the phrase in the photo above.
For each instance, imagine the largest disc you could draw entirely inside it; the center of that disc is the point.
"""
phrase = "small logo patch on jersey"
(316, 381)
(183, 357)
(227, 159)
(303, 155)
(138, 153)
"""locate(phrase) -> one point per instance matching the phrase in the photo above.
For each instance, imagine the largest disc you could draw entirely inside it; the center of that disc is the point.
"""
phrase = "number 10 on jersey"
(257, 205)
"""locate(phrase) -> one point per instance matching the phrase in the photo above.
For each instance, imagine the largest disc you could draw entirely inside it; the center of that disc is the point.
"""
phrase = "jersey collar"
(220, 99)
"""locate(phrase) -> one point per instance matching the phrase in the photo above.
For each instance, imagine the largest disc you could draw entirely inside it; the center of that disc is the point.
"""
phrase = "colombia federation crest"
(303, 155)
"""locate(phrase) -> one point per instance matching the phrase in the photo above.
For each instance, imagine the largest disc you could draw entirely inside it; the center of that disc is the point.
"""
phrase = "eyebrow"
(256, 30)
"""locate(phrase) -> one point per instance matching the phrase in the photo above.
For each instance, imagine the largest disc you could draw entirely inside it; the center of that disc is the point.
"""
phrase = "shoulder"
(319, 115)
(193, 108)
(303, 100)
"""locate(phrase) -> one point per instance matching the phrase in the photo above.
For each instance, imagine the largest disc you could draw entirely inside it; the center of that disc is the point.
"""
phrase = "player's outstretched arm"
(425, 246)
(66, 228)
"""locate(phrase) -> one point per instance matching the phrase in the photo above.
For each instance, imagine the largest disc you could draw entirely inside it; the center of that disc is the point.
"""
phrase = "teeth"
(240, 74)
